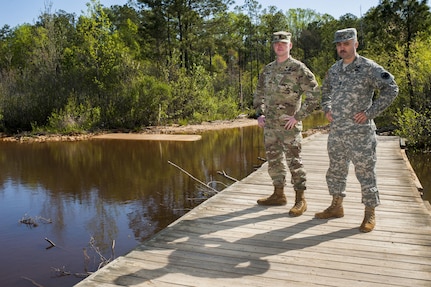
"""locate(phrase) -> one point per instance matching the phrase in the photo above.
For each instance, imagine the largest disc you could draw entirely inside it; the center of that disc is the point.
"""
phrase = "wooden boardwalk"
(231, 241)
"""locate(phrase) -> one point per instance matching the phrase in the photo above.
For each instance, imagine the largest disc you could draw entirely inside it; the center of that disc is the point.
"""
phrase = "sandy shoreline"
(156, 131)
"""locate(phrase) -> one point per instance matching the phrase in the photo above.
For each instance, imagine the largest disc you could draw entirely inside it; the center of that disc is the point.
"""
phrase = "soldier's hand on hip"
(261, 121)
(329, 116)
(291, 122)
(360, 118)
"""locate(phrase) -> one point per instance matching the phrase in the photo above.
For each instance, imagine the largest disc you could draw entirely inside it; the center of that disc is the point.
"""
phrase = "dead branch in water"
(218, 182)
(227, 176)
(61, 271)
(29, 221)
(33, 221)
(103, 260)
(86, 259)
(82, 275)
(204, 184)
(32, 281)
(46, 220)
(50, 242)
(113, 249)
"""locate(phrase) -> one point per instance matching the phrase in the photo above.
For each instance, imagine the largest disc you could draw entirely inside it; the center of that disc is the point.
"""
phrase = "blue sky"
(16, 12)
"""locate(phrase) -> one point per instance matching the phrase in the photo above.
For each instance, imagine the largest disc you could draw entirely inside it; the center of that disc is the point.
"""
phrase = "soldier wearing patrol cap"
(281, 36)
(345, 35)
(286, 93)
(349, 105)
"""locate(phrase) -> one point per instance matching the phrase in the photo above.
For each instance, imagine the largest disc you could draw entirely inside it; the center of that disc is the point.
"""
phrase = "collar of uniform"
(355, 64)
(279, 64)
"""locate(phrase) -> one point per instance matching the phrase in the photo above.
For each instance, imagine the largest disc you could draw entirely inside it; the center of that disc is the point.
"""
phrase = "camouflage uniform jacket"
(346, 92)
(279, 92)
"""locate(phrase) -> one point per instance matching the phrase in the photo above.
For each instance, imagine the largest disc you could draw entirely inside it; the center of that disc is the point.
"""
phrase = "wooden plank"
(231, 241)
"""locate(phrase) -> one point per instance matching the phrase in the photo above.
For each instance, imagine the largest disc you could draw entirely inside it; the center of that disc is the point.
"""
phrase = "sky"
(17, 12)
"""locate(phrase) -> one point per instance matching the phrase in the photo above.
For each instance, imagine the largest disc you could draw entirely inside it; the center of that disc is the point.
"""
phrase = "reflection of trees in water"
(421, 163)
(125, 170)
(103, 223)
(99, 174)
(55, 208)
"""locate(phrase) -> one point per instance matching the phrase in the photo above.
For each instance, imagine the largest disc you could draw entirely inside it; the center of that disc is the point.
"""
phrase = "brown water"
(106, 190)
(421, 163)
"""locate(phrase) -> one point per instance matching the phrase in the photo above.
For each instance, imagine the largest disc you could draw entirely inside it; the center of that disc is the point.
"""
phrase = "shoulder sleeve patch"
(385, 75)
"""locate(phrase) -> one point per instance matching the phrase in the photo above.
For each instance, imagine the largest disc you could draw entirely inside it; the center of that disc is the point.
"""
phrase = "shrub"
(414, 127)
(73, 118)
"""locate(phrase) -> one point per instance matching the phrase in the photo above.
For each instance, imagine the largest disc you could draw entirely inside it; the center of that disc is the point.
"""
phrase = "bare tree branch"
(204, 184)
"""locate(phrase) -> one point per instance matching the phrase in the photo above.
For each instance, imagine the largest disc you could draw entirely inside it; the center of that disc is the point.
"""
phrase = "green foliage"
(194, 98)
(144, 104)
(21, 103)
(74, 118)
(414, 127)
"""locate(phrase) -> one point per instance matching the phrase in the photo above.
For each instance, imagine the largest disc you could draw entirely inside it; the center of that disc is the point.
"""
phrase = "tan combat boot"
(300, 204)
(369, 220)
(335, 210)
(277, 198)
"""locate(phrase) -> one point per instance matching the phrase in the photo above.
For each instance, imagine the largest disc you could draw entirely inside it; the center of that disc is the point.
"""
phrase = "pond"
(81, 196)
(96, 200)
(421, 163)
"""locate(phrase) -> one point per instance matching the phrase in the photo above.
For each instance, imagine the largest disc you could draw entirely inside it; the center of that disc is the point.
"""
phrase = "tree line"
(154, 62)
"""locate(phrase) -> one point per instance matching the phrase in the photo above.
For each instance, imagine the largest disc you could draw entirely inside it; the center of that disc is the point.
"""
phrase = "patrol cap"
(345, 35)
(281, 36)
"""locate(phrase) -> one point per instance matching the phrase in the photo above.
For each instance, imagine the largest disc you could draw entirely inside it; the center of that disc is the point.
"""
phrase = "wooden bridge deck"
(231, 241)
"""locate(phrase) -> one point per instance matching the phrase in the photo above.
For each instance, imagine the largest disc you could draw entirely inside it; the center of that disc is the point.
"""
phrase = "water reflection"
(106, 189)
(421, 163)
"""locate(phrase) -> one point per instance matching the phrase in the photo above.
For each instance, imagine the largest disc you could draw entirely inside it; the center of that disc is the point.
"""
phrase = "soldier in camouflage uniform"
(280, 109)
(347, 100)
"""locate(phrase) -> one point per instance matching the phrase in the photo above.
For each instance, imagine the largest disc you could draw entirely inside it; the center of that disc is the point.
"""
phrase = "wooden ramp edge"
(231, 241)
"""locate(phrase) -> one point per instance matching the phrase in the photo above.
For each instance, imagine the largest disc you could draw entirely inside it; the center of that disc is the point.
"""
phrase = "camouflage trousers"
(360, 149)
(283, 150)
